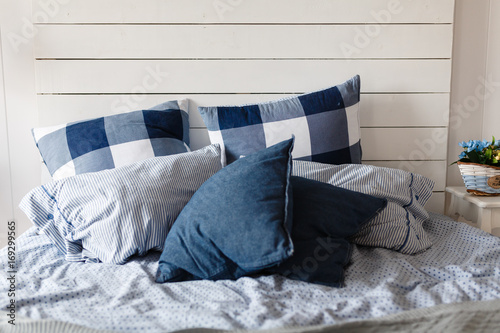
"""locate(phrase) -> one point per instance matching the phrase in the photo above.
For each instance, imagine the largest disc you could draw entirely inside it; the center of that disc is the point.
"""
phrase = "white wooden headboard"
(96, 57)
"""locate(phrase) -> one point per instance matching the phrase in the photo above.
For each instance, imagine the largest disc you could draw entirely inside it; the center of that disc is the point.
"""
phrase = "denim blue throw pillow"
(237, 223)
(113, 141)
(324, 217)
(325, 124)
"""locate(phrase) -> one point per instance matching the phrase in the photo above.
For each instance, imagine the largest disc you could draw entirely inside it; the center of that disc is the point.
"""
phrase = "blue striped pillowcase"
(399, 225)
(113, 214)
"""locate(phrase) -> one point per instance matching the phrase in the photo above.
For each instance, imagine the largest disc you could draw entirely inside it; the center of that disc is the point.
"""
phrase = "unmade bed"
(461, 266)
(189, 183)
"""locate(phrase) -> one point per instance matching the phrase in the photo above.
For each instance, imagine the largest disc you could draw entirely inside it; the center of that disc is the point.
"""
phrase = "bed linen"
(462, 265)
(444, 318)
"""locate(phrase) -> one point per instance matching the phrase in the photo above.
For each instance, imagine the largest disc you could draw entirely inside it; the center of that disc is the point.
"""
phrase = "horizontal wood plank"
(243, 41)
(401, 144)
(238, 76)
(392, 110)
(377, 110)
(58, 109)
(436, 203)
(240, 11)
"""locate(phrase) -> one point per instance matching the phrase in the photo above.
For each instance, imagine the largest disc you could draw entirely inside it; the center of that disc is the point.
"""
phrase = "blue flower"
(484, 144)
(462, 155)
(472, 145)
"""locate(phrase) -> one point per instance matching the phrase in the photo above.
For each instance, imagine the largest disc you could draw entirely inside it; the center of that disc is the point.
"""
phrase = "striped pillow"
(113, 214)
(399, 225)
(325, 124)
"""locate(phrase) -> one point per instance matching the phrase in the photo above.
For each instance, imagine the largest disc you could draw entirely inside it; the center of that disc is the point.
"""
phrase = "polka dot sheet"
(462, 265)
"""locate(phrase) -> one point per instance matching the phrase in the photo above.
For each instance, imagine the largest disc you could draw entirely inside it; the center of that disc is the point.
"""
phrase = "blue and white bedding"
(462, 265)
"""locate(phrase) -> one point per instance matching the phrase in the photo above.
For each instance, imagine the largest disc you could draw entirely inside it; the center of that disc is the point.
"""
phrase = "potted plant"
(479, 164)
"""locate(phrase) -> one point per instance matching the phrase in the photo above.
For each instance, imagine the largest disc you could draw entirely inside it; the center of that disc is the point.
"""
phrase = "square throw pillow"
(113, 141)
(399, 225)
(325, 124)
(236, 224)
(324, 217)
(110, 215)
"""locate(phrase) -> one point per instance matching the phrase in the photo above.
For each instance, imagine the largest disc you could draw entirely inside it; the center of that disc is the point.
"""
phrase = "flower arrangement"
(479, 165)
(480, 152)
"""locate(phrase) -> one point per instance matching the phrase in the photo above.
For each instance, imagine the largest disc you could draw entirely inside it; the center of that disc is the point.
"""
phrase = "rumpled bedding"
(462, 265)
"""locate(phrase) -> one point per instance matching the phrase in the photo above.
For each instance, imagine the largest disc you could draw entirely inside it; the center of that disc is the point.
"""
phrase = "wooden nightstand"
(481, 212)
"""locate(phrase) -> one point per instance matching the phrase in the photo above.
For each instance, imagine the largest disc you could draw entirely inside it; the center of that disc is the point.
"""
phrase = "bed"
(240, 234)
(174, 130)
(461, 267)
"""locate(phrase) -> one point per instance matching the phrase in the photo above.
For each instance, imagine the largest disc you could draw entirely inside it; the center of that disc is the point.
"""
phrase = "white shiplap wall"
(6, 206)
(491, 117)
(101, 57)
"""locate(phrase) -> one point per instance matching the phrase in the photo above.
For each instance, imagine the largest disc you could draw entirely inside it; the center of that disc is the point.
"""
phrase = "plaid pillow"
(325, 125)
(113, 141)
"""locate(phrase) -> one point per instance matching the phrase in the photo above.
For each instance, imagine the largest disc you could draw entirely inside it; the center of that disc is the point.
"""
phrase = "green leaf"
(465, 160)
(474, 157)
(488, 153)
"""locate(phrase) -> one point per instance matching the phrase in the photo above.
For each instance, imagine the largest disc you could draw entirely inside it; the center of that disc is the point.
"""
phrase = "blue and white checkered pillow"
(113, 141)
(325, 125)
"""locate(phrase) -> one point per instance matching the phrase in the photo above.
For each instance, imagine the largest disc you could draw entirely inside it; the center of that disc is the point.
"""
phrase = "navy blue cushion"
(237, 223)
(324, 217)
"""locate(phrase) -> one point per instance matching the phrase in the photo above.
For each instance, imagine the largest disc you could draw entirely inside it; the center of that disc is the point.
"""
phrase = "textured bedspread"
(462, 265)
